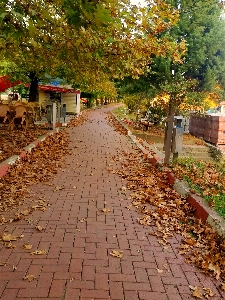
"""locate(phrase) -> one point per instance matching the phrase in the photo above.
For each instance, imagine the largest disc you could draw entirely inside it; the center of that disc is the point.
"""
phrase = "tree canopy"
(202, 25)
(85, 42)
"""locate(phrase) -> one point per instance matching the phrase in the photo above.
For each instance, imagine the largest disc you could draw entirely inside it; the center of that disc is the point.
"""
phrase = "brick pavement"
(78, 237)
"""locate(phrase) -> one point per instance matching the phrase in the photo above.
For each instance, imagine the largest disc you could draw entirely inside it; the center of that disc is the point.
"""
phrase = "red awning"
(5, 83)
(53, 88)
(57, 89)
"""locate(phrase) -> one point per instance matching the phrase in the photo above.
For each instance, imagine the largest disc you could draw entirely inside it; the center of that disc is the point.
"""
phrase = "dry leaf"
(10, 245)
(83, 220)
(215, 269)
(159, 271)
(58, 188)
(14, 268)
(39, 252)
(129, 207)
(105, 210)
(26, 246)
(3, 264)
(196, 291)
(123, 190)
(117, 253)
(25, 212)
(222, 286)
(208, 293)
(29, 277)
(40, 228)
(7, 237)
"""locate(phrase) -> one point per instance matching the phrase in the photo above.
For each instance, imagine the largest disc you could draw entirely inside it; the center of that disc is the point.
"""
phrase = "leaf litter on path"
(170, 214)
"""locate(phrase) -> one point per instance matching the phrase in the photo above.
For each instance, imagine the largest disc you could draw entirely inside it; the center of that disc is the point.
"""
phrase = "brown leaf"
(25, 212)
(208, 293)
(196, 291)
(215, 269)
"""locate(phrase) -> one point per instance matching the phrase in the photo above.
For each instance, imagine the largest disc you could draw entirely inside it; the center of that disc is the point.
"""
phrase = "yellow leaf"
(40, 228)
(159, 271)
(38, 252)
(7, 237)
(106, 210)
(117, 253)
(29, 277)
(26, 246)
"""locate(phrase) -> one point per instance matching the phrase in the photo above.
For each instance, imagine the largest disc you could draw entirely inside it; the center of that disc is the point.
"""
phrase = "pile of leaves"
(38, 166)
(204, 178)
(79, 120)
(12, 142)
(116, 124)
(167, 214)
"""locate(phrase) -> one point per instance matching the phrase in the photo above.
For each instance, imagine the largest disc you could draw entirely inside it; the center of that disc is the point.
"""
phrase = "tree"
(72, 39)
(203, 27)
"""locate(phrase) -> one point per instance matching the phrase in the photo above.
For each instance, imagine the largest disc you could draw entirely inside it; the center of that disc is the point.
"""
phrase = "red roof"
(5, 83)
(53, 88)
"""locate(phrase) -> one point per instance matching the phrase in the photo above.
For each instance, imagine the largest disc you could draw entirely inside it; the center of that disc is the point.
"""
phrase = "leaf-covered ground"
(13, 141)
(159, 206)
(38, 166)
(167, 213)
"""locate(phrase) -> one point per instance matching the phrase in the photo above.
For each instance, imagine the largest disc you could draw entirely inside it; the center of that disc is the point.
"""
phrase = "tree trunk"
(33, 93)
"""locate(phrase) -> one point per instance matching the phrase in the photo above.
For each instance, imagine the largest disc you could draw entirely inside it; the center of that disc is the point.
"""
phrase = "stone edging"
(202, 210)
(5, 165)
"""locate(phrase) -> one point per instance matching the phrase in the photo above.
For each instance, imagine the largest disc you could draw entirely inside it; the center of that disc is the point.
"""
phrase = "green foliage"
(206, 179)
(202, 25)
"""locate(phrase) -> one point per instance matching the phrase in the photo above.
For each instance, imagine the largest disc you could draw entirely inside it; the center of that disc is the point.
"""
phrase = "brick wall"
(210, 128)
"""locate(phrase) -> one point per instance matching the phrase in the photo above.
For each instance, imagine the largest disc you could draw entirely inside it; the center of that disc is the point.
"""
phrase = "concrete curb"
(5, 165)
(201, 209)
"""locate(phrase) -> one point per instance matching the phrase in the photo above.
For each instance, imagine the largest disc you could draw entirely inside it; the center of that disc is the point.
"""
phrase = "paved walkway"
(78, 236)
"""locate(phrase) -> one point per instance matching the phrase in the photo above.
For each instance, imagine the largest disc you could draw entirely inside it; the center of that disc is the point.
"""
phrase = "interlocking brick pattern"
(78, 237)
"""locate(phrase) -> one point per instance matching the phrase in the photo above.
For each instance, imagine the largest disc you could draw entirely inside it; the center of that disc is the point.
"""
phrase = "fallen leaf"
(58, 188)
(117, 253)
(83, 220)
(40, 228)
(27, 246)
(105, 210)
(222, 286)
(208, 293)
(25, 212)
(38, 252)
(159, 271)
(196, 291)
(215, 269)
(29, 277)
(129, 207)
(10, 245)
(7, 237)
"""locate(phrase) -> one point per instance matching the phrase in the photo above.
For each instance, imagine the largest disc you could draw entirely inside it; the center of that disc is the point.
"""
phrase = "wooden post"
(168, 139)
